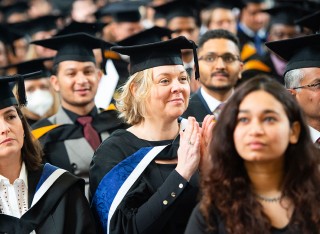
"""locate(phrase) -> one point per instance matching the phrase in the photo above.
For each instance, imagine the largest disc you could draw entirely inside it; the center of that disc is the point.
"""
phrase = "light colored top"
(315, 134)
(211, 101)
(14, 197)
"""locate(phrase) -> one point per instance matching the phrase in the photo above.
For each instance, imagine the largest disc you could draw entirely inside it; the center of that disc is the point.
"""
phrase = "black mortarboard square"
(75, 47)
(31, 66)
(299, 52)
(42, 23)
(17, 7)
(311, 21)
(285, 13)
(310, 5)
(253, 1)
(150, 35)
(77, 27)
(7, 97)
(157, 54)
(124, 11)
(225, 4)
(178, 8)
(8, 36)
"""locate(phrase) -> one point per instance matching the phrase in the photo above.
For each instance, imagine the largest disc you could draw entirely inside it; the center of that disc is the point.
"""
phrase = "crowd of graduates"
(163, 116)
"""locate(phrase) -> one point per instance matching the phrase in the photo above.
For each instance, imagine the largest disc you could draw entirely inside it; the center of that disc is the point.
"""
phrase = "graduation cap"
(285, 13)
(311, 5)
(8, 36)
(225, 4)
(76, 27)
(300, 52)
(17, 7)
(75, 47)
(178, 8)
(31, 66)
(311, 21)
(123, 11)
(158, 54)
(253, 1)
(150, 35)
(39, 24)
(7, 97)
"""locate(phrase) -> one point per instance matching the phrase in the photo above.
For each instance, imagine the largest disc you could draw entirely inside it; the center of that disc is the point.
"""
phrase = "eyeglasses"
(315, 86)
(227, 58)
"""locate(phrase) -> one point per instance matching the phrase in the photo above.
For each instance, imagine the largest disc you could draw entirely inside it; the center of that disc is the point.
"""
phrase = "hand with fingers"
(189, 149)
(206, 135)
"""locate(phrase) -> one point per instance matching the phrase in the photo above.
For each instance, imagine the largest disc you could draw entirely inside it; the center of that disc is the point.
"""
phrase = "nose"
(4, 127)
(220, 64)
(256, 128)
(81, 78)
(176, 86)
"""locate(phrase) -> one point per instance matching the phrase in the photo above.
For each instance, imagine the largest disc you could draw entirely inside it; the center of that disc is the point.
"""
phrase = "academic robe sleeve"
(159, 201)
(145, 211)
(71, 215)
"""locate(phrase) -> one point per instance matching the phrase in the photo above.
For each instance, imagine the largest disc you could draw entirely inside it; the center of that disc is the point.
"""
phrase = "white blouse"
(14, 197)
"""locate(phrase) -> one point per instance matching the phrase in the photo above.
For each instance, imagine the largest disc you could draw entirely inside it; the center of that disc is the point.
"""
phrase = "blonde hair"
(131, 101)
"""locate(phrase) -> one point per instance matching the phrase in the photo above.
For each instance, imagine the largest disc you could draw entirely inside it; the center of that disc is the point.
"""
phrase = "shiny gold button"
(173, 194)
(180, 185)
(165, 202)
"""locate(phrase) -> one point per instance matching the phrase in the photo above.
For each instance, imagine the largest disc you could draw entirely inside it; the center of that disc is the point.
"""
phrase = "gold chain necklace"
(268, 199)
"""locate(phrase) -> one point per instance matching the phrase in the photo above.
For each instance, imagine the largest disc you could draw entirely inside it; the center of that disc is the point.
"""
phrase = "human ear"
(54, 83)
(293, 92)
(295, 132)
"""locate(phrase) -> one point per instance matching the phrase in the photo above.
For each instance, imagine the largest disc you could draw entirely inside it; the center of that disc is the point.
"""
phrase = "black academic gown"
(198, 225)
(65, 146)
(256, 61)
(245, 38)
(197, 108)
(62, 209)
(144, 209)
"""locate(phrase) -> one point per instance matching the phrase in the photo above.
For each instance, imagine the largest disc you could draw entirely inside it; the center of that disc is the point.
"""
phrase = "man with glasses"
(302, 75)
(220, 68)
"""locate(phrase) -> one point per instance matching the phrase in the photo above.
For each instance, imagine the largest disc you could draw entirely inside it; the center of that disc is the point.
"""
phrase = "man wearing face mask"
(42, 100)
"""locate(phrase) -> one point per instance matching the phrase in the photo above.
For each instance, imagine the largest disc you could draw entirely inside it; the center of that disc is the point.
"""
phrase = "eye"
(88, 72)
(317, 85)
(70, 74)
(270, 119)
(243, 119)
(164, 81)
(11, 117)
(210, 58)
(229, 58)
(184, 79)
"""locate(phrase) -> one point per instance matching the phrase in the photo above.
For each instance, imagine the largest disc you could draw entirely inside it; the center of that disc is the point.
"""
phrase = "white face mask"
(39, 101)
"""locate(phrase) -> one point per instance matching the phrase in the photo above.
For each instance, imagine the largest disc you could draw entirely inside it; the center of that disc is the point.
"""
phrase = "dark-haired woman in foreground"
(264, 171)
(35, 198)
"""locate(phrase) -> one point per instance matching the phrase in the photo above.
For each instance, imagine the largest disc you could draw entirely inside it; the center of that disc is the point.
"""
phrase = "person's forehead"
(222, 13)
(168, 69)
(181, 21)
(255, 7)
(311, 74)
(219, 45)
(70, 64)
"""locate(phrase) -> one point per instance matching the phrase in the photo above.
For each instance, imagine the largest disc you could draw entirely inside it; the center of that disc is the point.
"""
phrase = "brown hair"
(226, 185)
(31, 149)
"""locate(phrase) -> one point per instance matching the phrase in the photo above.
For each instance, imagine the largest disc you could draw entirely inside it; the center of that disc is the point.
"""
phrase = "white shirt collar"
(315, 134)
(250, 32)
(23, 175)
(211, 101)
